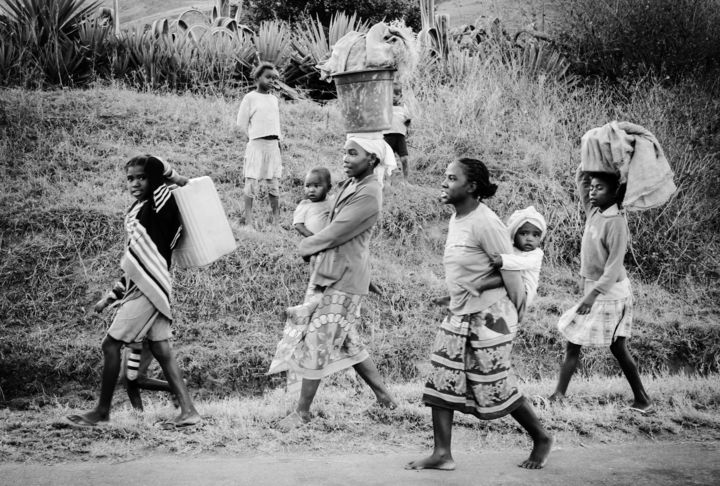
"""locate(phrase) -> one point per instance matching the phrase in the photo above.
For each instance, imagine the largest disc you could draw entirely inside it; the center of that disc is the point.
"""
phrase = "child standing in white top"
(259, 119)
(527, 229)
(312, 214)
(397, 134)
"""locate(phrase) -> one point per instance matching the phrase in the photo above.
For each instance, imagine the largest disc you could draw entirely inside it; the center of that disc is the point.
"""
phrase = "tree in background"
(369, 10)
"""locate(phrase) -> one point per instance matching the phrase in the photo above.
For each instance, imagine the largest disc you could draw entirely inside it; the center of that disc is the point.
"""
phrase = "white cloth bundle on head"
(635, 154)
(527, 215)
(374, 143)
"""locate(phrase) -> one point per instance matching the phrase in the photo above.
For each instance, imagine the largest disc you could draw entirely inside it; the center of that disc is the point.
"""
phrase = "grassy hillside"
(514, 14)
(61, 237)
(141, 12)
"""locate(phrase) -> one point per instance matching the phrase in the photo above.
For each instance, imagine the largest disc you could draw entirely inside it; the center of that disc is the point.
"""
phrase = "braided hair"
(476, 171)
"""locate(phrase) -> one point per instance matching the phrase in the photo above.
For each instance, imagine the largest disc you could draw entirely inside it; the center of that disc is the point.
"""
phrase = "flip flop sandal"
(80, 421)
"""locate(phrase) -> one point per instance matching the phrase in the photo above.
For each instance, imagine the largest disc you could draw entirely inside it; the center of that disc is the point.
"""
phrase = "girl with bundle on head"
(259, 119)
(321, 335)
(153, 228)
(604, 316)
(471, 354)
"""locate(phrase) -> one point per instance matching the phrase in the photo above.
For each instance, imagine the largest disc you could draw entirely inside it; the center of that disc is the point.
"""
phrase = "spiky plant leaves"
(272, 43)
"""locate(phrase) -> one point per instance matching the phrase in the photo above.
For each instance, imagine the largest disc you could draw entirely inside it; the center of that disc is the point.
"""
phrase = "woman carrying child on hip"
(153, 228)
(259, 119)
(604, 316)
(471, 354)
(323, 337)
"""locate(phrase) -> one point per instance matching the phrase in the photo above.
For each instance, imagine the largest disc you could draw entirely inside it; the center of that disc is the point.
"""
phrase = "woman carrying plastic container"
(321, 336)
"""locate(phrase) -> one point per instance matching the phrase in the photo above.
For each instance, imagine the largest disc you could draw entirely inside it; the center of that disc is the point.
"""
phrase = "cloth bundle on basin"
(383, 46)
(635, 154)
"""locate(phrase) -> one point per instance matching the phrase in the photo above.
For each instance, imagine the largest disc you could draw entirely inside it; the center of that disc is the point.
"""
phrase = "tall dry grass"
(62, 155)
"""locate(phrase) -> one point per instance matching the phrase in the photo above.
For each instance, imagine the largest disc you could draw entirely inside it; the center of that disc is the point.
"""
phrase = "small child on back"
(527, 229)
(259, 119)
(312, 214)
(396, 135)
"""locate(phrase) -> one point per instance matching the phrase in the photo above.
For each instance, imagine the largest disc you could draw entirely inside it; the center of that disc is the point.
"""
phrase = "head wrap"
(374, 143)
(527, 215)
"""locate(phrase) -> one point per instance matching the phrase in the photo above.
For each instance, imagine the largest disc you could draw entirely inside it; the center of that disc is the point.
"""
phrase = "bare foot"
(557, 397)
(539, 454)
(90, 419)
(186, 420)
(434, 461)
(294, 420)
(387, 402)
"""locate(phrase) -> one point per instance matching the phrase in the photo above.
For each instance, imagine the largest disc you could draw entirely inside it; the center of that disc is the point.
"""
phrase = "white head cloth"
(374, 143)
(527, 215)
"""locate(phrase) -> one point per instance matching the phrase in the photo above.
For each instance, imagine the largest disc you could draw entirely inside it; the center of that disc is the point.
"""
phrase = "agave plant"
(272, 43)
(49, 35)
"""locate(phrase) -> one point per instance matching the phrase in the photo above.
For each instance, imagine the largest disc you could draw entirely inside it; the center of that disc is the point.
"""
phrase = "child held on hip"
(152, 224)
(340, 280)
(259, 119)
(604, 316)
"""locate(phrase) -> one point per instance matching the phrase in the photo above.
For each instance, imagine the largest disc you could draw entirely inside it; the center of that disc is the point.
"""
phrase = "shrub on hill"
(617, 37)
(369, 10)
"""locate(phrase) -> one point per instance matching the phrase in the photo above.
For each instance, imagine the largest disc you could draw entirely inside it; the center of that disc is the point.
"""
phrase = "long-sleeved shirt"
(345, 241)
(259, 115)
(604, 242)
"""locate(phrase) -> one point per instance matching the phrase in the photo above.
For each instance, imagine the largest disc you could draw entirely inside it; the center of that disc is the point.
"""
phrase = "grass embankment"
(61, 235)
(347, 422)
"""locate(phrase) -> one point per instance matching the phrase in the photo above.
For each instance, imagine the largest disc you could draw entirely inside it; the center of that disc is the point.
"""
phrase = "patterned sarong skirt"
(320, 336)
(471, 363)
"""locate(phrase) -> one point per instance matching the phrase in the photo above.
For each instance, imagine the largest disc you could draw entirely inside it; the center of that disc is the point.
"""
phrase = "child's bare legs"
(275, 207)
(248, 210)
(368, 372)
(404, 165)
(441, 457)
(165, 356)
(111, 368)
(542, 442)
(627, 363)
(572, 356)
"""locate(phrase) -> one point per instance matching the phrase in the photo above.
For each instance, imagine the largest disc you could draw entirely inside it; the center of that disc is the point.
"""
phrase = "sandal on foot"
(642, 411)
(80, 421)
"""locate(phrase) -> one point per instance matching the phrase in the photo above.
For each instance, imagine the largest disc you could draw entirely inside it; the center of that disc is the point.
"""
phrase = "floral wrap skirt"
(320, 336)
(471, 363)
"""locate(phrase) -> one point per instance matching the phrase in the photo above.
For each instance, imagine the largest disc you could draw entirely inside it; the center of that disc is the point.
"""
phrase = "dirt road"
(637, 464)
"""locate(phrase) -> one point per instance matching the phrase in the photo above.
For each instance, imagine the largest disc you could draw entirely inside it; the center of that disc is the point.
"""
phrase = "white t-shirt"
(314, 215)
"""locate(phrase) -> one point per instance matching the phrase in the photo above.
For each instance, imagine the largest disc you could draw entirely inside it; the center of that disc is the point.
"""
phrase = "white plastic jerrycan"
(206, 234)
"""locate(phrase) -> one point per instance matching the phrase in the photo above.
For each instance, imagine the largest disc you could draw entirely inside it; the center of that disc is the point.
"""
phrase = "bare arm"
(492, 281)
(582, 182)
(300, 228)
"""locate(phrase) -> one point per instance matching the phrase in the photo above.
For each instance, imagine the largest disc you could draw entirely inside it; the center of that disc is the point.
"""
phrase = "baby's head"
(527, 228)
(317, 184)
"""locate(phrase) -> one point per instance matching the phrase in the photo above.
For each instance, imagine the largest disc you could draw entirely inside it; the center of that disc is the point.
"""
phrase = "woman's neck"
(261, 90)
(465, 207)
